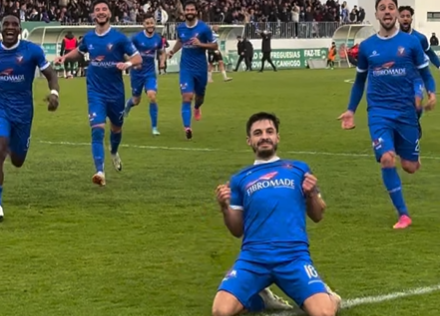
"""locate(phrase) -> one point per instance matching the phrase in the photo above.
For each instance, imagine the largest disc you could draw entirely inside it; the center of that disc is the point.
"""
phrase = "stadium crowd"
(214, 11)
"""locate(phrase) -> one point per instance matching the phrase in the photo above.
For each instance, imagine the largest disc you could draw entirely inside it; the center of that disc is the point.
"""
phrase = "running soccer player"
(148, 43)
(406, 14)
(105, 86)
(194, 37)
(391, 60)
(266, 205)
(215, 56)
(19, 60)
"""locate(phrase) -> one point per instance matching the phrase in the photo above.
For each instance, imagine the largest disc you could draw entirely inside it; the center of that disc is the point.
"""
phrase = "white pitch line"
(368, 300)
(199, 149)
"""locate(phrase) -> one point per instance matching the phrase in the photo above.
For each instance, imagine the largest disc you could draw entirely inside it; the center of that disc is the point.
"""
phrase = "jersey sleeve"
(210, 38)
(236, 202)
(40, 58)
(128, 47)
(419, 57)
(82, 47)
(425, 44)
(362, 59)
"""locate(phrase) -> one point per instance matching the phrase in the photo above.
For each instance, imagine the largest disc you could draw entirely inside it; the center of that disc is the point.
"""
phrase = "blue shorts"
(100, 108)
(399, 138)
(19, 136)
(419, 88)
(139, 83)
(193, 82)
(297, 278)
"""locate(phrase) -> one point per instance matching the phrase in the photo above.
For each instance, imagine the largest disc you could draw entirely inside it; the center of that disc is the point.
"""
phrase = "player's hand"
(170, 54)
(59, 60)
(195, 41)
(223, 193)
(432, 100)
(347, 119)
(309, 183)
(122, 66)
(52, 101)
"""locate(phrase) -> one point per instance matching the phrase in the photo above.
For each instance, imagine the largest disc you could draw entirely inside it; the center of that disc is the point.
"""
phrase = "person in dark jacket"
(68, 44)
(249, 54)
(266, 49)
(241, 51)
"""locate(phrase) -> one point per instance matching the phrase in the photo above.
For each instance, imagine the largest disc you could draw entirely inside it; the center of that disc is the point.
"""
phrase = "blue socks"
(98, 148)
(115, 140)
(255, 304)
(186, 114)
(153, 114)
(392, 183)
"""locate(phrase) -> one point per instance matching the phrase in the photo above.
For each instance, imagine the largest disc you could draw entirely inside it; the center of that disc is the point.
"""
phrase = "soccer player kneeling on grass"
(266, 204)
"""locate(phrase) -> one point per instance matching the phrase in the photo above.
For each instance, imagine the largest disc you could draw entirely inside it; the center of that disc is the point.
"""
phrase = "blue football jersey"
(148, 48)
(422, 39)
(273, 204)
(105, 51)
(193, 58)
(392, 64)
(17, 71)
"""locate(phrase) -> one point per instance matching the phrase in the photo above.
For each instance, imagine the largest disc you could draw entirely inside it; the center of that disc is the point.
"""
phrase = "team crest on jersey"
(19, 59)
(109, 47)
(401, 51)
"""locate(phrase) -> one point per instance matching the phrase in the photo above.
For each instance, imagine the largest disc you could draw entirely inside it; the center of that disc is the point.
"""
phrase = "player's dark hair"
(148, 16)
(378, 1)
(406, 8)
(190, 2)
(262, 116)
(96, 2)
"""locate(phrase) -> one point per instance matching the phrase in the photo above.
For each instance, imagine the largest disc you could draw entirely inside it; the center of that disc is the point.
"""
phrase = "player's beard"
(149, 30)
(266, 152)
(190, 17)
(102, 23)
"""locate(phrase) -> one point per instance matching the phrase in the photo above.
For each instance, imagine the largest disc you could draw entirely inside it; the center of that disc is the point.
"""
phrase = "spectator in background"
(249, 52)
(433, 40)
(165, 45)
(68, 44)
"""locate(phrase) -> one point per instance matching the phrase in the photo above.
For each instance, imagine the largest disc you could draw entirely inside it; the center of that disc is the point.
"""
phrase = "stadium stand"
(284, 18)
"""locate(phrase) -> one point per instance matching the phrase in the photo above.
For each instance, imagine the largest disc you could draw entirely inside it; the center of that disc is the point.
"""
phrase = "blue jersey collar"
(12, 47)
(259, 162)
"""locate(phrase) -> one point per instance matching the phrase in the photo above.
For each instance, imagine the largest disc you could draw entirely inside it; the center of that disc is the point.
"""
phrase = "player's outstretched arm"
(74, 55)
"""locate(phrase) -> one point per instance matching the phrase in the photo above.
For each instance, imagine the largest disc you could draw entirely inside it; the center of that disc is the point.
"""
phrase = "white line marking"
(349, 81)
(199, 149)
(367, 300)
